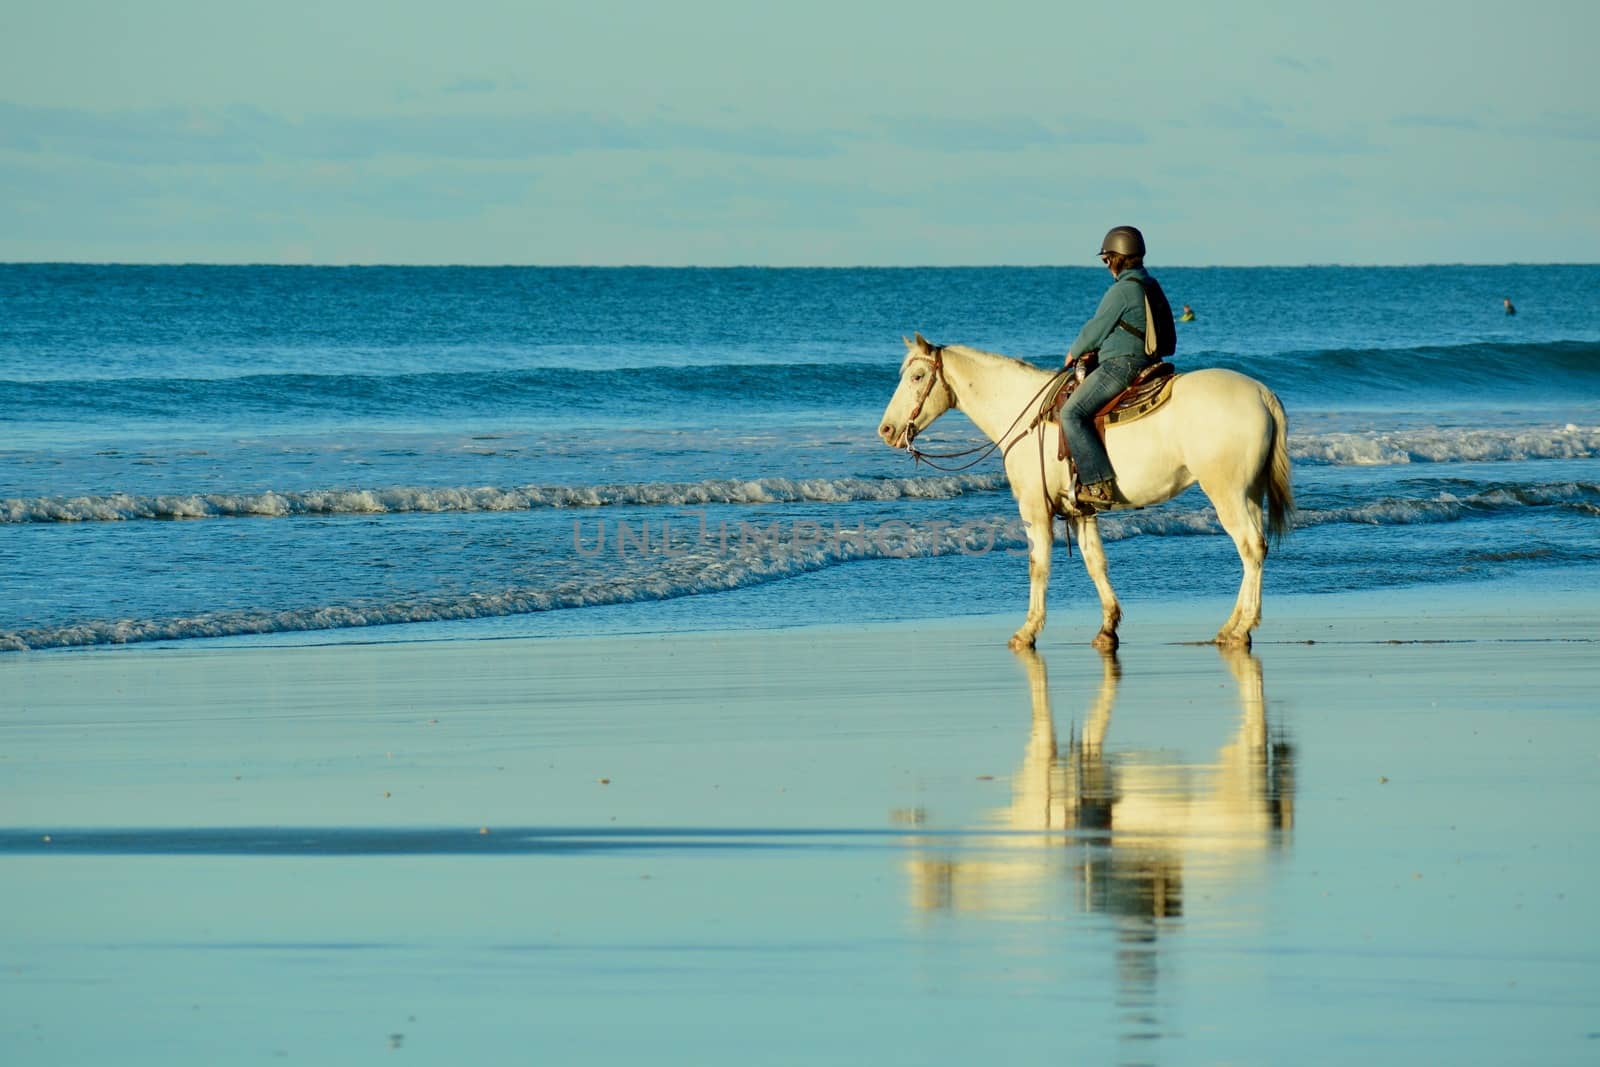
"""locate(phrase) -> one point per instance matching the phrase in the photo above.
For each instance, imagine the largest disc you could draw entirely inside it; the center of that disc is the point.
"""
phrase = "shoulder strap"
(1126, 325)
(1155, 344)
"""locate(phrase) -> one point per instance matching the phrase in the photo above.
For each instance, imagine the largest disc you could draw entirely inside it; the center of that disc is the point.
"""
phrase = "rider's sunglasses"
(1105, 257)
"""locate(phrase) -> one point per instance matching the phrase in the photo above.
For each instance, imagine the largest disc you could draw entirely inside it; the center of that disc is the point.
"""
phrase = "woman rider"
(1121, 358)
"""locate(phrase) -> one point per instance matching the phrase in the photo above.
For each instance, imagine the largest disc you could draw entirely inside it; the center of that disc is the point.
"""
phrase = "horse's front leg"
(1041, 541)
(1087, 530)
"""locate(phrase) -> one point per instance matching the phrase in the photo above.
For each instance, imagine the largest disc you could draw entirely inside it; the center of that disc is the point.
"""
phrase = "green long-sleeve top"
(1124, 300)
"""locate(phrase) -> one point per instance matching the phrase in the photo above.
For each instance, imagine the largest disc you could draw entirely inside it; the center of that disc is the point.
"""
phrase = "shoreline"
(1072, 606)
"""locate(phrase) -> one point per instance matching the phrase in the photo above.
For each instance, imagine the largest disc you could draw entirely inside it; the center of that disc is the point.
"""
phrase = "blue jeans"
(1077, 416)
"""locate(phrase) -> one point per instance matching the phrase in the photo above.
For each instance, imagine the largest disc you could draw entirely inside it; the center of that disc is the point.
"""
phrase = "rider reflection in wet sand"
(1155, 821)
(1132, 835)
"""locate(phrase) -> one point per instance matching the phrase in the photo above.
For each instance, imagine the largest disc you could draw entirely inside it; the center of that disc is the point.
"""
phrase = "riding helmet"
(1123, 240)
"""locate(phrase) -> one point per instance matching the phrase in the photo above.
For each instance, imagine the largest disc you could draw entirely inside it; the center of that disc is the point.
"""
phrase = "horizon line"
(772, 266)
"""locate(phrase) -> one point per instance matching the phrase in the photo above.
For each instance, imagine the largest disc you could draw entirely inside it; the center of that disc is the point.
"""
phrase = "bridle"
(934, 357)
(1041, 405)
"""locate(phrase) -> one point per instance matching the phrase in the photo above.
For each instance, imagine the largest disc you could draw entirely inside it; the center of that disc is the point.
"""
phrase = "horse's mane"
(994, 356)
(983, 357)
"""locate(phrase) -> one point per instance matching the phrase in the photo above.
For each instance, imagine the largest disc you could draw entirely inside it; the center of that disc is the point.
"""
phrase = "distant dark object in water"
(1511, 309)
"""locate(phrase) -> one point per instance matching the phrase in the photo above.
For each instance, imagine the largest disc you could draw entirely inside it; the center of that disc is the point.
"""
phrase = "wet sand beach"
(1372, 838)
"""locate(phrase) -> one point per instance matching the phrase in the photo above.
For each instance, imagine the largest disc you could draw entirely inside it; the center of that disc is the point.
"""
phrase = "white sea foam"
(1445, 446)
(707, 569)
(1449, 507)
(1337, 449)
(696, 564)
(119, 507)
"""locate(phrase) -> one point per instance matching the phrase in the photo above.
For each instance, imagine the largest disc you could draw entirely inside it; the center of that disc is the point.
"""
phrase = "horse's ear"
(907, 340)
(922, 342)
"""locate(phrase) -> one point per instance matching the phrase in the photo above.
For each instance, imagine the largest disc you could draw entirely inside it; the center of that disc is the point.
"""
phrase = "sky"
(702, 132)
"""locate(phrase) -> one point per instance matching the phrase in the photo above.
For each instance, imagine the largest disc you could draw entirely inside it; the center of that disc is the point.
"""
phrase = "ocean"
(379, 454)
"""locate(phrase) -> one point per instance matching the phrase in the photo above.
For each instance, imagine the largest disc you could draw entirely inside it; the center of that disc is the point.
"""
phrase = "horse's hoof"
(1106, 641)
(1020, 641)
(1227, 640)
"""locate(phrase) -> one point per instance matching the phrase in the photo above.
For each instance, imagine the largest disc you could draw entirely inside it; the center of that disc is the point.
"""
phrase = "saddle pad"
(1148, 392)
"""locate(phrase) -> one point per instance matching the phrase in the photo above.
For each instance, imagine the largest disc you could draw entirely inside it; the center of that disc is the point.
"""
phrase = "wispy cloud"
(1435, 122)
(1004, 133)
(1549, 125)
(1261, 129)
(471, 86)
(1245, 114)
(1302, 65)
(167, 135)
(32, 183)
(245, 135)
(1563, 125)
(769, 196)
(242, 135)
(1309, 142)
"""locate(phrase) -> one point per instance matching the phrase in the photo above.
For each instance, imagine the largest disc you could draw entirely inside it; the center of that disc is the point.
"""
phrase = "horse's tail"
(1279, 490)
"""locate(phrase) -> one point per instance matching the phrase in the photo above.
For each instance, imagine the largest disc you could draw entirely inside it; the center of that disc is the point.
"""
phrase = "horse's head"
(922, 395)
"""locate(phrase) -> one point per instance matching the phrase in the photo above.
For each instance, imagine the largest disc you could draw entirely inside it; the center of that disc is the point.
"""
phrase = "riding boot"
(1099, 495)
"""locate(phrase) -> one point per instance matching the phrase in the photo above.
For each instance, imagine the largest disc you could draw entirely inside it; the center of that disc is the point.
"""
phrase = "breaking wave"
(706, 570)
(702, 566)
(1445, 446)
(120, 507)
(1331, 449)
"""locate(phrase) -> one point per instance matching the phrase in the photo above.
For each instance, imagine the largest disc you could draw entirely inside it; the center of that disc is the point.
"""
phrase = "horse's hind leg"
(1087, 530)
(1240, 516)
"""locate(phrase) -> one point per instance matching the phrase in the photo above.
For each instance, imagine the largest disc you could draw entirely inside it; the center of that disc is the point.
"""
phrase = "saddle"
(1151, 389)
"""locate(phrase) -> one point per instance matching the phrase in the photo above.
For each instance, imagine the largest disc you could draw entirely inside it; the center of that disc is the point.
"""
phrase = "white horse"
(1221, 429)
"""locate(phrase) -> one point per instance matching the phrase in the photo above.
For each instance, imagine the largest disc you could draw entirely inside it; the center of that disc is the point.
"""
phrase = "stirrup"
(1098, 495)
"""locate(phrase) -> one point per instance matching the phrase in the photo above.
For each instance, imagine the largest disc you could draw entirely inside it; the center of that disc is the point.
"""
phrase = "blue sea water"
(192, 452)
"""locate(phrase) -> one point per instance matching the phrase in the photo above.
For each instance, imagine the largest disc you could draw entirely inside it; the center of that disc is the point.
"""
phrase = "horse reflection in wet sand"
(1220, 429)
(1150, 822)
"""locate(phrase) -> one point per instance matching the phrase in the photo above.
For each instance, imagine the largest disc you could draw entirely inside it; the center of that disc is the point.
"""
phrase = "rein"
(1038, 404)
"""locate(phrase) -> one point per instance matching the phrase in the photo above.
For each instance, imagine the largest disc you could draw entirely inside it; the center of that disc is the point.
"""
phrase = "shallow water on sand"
(899, 844)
